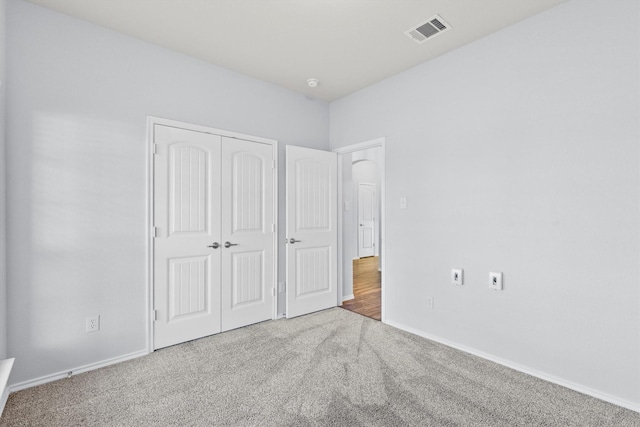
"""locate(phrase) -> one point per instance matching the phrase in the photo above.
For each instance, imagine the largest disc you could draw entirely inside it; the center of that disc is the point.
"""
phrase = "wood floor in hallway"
(366, 289)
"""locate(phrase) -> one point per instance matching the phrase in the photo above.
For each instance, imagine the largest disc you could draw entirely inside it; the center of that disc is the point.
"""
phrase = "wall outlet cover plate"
(92, 324)
(456, 276)
(495, 281)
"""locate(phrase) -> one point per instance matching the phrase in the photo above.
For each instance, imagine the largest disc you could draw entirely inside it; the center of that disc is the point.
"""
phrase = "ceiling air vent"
(426, 30)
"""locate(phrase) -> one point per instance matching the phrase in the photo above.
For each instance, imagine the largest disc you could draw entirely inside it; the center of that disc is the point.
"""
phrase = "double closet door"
(214, 245)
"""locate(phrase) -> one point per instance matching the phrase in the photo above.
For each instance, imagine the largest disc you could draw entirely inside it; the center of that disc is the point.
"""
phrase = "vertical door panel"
(366, 219)
(247, 221)
(186, 270)
(311, 223)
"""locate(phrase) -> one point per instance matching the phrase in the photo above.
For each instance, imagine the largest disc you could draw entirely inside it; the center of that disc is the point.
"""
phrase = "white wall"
(3, 270)
(519, 153)
(78, 97)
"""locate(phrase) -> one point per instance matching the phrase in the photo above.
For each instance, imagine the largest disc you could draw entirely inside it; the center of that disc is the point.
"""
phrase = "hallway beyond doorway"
(366, 288)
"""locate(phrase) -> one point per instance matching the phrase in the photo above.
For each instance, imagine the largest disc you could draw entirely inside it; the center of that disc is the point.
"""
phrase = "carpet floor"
(331, 368)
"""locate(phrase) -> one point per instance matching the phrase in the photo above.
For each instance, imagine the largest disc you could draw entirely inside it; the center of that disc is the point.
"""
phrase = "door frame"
(150, 229)
(341, 151)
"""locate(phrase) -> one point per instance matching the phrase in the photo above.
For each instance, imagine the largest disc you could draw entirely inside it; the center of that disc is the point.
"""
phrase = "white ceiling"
(346, 44)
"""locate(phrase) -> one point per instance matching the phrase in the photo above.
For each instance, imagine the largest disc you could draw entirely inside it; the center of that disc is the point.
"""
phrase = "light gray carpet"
(332, 368)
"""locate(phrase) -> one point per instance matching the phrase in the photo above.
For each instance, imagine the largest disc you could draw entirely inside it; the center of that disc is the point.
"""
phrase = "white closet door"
(312, 230)
(247, 233)
(187, 217)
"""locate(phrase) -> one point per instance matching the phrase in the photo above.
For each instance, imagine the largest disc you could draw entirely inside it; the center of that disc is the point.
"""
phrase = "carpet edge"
(78, 370)
(516, 367)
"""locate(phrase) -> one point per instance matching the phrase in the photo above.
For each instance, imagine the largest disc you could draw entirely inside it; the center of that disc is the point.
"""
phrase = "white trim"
(348, 297)
(276, 220)
(151, 122)
(5, 371)
(74, 371)
(207, 129)
(378, 142)
(523, 369)
(150, 314)
(340, 266)
(3, 400)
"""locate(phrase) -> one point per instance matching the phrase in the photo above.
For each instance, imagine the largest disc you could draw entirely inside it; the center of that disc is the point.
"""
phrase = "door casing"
(151, 122)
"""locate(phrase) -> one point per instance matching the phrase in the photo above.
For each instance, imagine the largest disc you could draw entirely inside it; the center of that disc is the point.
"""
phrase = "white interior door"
(186, 266)
(311, 183)
(367, 208)
(247, 243)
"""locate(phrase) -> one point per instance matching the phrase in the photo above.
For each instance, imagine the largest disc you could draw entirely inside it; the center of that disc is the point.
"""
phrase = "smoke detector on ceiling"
(428, 29)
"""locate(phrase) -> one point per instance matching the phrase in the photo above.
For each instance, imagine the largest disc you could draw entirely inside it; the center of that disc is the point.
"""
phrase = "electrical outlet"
(93, 324)
(495, 281)
(430, 302)
(456, 276)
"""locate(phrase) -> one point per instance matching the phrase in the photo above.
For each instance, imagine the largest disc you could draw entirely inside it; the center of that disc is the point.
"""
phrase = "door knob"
(292, 241)
(229, 244)
(214, 245)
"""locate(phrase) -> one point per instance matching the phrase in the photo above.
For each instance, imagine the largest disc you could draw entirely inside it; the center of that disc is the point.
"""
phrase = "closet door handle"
(229, 244)
(292, 241)
(214, 245)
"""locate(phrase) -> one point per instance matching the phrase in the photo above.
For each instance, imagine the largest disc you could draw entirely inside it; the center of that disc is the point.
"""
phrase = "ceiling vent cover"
(428, 29)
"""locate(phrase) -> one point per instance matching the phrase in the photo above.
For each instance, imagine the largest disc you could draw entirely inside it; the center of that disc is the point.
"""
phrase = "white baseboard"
(60, 375)
(348, 297)
(541, 375)
(5, 371)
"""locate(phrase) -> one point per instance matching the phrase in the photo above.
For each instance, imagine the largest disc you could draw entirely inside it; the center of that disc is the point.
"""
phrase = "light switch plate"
(456, 276)
(495, 281)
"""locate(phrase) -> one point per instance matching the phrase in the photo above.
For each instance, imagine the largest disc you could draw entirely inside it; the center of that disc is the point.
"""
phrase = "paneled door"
(187, 244)
(367, 208)
(311, 183)
(247, 233)
(214, 245)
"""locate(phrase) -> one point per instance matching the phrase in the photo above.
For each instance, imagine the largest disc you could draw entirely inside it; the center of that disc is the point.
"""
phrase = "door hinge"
(155, 148)
(273, 164)
(154, 231)
(273, 291)
(273, 228)
(155, 315)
